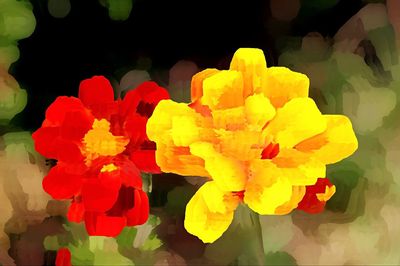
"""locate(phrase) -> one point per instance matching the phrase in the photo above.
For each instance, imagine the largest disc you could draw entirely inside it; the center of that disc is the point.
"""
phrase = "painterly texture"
(347, 49)
(100, 146)
(256, 135)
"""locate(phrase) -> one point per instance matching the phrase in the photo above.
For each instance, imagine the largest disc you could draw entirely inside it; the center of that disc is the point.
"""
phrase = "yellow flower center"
(99, 141)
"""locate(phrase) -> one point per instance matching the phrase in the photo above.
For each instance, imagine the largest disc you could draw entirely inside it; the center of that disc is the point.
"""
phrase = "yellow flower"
(255, 134)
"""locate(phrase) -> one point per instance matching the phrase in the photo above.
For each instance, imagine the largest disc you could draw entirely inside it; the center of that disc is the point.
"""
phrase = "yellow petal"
(203, 218)
(296, 121)
(229, 119)
(251, 63)
(223, 90)
(298, 193)
(161, 122)
(228, 173)
(179, 160)
(259, 110)
(337, 142)
(280, 85)
(218, 200)
(197, 82)
(177, 124)
(300, 168)
(184, 130)
(242, 145)
(268, 188)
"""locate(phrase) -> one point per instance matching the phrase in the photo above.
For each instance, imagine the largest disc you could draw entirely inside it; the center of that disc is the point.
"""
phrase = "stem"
(253, 251)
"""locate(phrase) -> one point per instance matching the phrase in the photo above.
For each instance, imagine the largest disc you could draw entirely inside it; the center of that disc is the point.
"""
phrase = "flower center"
(99, 141)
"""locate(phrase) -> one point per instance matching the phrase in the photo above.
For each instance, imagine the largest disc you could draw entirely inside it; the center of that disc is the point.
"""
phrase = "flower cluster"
(258, 138)
(101, 146)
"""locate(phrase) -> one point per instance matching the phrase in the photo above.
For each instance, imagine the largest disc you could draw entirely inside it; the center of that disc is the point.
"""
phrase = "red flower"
(63, 257)
(101, 146)
(316, 196)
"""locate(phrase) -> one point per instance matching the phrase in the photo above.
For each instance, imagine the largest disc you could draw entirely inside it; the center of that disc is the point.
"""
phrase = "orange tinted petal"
(197, 82)
(281, 85)
(251, 63)
(337, 142)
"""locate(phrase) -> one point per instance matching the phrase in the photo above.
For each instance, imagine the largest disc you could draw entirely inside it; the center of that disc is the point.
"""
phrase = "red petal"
(60, 184)
(76, 124)
(147, 92)
(45, 139)
(140, 212)
(97, 94)
(125, 201)
(63, 257)
(145, 160)
(130, 174)
(99, 194)
(55, 113)
(67, 151)
(310, 202)
(135, 129)
(76, 212)
(98, 224)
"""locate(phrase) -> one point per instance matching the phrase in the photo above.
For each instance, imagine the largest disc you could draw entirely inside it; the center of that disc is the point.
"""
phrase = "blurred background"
(348, 49)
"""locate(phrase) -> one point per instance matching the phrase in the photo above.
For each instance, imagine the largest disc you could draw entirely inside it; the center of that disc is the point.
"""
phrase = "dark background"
(62, 52)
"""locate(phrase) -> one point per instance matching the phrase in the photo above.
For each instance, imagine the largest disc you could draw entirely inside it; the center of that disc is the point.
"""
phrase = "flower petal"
(201, 221)
(63, 257)
(99, 194)
(76, 212)
(162, 119)
(67, 151)
(280, 85)
(145, 160)
(179, 160)
(130, 174)
(140, 212)
(337, 142)
(97, 94)
(228, 173)
(268, 187)
(316, 196)
(251, 63)
(99, 224)
(218, 201)
(45, 141)
(223, 90)
(259, 110)
(76, 124)
(60, 184)
(296, 121)
(300, 168)
(197, 82)
(146, 93)
(298, 193)
(135, 129)
(55, 113)
(242, 145)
